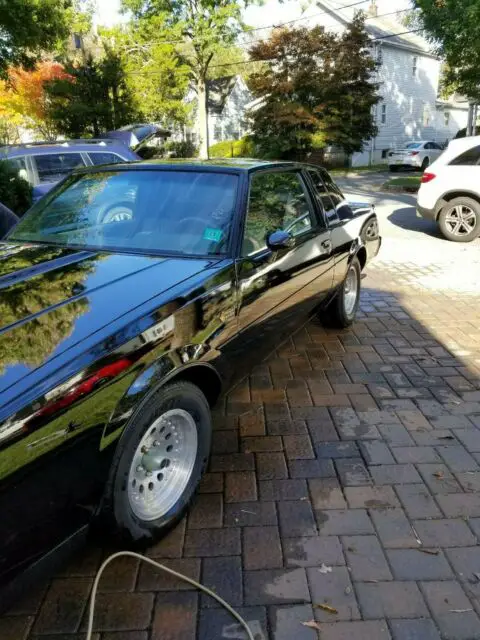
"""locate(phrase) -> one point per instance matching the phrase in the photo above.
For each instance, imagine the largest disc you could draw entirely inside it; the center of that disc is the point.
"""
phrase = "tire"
(117, 213)
(393, 168)
(179, 406)
(459, 220)
(425, 164)
(342, 310)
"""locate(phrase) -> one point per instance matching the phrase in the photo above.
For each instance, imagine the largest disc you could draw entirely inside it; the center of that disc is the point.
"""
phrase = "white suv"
(450, 191)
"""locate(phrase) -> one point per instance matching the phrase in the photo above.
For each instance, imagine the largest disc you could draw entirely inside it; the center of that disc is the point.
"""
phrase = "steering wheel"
(181, 224)
(191, 219)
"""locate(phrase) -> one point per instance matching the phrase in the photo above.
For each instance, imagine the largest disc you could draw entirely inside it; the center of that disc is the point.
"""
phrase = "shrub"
(183, 149)
(242, 148)
(15, 192)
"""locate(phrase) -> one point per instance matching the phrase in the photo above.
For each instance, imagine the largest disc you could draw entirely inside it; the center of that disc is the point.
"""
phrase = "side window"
(330, 196)
(102, 157)
(20, 164)
(428, 145)
(53, 167)
(276, 201)
(468, 158)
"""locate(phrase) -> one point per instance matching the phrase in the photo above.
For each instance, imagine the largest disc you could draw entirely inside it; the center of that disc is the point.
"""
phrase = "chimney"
(373, 9)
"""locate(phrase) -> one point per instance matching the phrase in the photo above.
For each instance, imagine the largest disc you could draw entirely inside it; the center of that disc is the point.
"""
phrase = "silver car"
(415, 155)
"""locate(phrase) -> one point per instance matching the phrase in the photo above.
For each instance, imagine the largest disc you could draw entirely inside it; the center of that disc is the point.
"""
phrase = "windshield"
(414, 145)
(187, 212)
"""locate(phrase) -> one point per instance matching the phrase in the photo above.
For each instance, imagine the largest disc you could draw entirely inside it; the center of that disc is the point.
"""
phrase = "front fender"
(147, 381)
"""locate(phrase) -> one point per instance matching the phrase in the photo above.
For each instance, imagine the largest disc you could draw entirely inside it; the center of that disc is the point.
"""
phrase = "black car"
(119, 334)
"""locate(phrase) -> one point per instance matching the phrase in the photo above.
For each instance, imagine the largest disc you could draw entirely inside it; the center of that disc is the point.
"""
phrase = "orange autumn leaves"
(23, 99)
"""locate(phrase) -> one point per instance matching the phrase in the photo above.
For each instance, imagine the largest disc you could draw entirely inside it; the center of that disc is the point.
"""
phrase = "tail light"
(427, 177)
(413, 153)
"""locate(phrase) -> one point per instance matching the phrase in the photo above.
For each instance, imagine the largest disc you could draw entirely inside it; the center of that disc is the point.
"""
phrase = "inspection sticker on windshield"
(214, 235)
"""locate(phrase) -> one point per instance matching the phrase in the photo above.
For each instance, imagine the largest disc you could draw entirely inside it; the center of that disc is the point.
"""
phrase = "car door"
(278, 288)
(338, 213)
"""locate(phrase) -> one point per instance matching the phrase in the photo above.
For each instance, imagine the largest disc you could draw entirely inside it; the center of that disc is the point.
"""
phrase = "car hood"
(53, 298)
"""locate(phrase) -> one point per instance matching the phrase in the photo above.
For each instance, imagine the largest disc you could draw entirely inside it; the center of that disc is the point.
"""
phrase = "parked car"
(450, 191)
(119, 335)
(43, 164)
(415, 155)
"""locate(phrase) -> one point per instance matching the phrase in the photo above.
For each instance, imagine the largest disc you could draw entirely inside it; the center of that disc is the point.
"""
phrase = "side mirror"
(280, 240)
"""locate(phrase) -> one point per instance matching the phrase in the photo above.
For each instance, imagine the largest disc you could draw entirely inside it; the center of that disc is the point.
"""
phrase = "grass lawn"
(345, 172)
(405, 182)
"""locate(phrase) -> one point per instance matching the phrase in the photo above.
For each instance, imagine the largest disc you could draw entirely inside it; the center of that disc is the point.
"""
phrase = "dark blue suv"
(46, 163)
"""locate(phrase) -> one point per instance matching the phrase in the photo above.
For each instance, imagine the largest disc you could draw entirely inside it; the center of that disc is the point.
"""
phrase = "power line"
(238, 62)
(382, 15)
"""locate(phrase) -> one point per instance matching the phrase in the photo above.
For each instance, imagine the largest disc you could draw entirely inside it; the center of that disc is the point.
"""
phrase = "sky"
(108, 11)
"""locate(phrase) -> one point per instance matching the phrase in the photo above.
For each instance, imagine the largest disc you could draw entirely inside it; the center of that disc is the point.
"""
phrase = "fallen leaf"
(326, 607)
(348, 591)
(351, 549)
(475, 579)
(446, 438)
(311, 624)
(438, 474)
(325, 569)
(429, 551)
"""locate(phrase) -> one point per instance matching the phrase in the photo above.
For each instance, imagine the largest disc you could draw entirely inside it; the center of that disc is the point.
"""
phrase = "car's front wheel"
(459, 220)
(342, 310)
(159, 463)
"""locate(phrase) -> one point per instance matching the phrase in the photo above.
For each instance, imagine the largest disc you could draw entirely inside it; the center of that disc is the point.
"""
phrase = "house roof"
(380, 28)
(218, 92)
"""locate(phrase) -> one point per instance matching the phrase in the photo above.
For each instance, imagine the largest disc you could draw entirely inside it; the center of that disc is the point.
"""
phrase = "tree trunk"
(470, 119)
(202, 118)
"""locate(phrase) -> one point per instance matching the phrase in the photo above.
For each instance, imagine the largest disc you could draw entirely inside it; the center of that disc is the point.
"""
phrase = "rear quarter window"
(467, 158)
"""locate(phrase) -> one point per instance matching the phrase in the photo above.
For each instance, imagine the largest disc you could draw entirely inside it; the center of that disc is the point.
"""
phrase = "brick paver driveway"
(345, 472)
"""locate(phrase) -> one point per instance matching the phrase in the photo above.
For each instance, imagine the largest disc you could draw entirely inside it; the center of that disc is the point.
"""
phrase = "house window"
(77, 41)
(414, 66)
(384, 114)
(379, 54)
(384, 153)
(446, 118)
(217, 133)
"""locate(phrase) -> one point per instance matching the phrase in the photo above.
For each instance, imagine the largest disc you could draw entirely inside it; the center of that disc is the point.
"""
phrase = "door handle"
(327, 245)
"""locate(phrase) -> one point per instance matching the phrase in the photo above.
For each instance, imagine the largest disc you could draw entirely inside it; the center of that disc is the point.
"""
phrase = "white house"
(409, 75)
(227, 100)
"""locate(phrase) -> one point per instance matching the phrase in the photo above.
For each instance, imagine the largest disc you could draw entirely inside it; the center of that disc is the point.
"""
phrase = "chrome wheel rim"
(117, 214)
(460, 220)
(350, 291)
(163, 464)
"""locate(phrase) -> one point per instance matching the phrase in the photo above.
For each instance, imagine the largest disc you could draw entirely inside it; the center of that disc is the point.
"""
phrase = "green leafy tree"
(317, 88)
(453, 26)
(202, 28)
(156, 74)
(95, 98)
(29, 27)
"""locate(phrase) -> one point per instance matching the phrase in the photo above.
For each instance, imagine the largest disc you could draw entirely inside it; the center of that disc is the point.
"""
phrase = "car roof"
(456, 147)
(235, 165)
(66, 146)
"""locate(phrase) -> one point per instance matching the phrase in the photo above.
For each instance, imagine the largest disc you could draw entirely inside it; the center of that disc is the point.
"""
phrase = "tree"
(24, 101)
(317, 88)
(202, 28)
(156, 75)
(453, 26)
(95, 98)
(29, 27)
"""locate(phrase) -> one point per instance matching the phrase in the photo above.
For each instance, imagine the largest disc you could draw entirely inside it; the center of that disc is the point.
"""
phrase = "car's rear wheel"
(425, 164)
(459, 220)
(342, 310)
(393, 168)
(159, 463)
